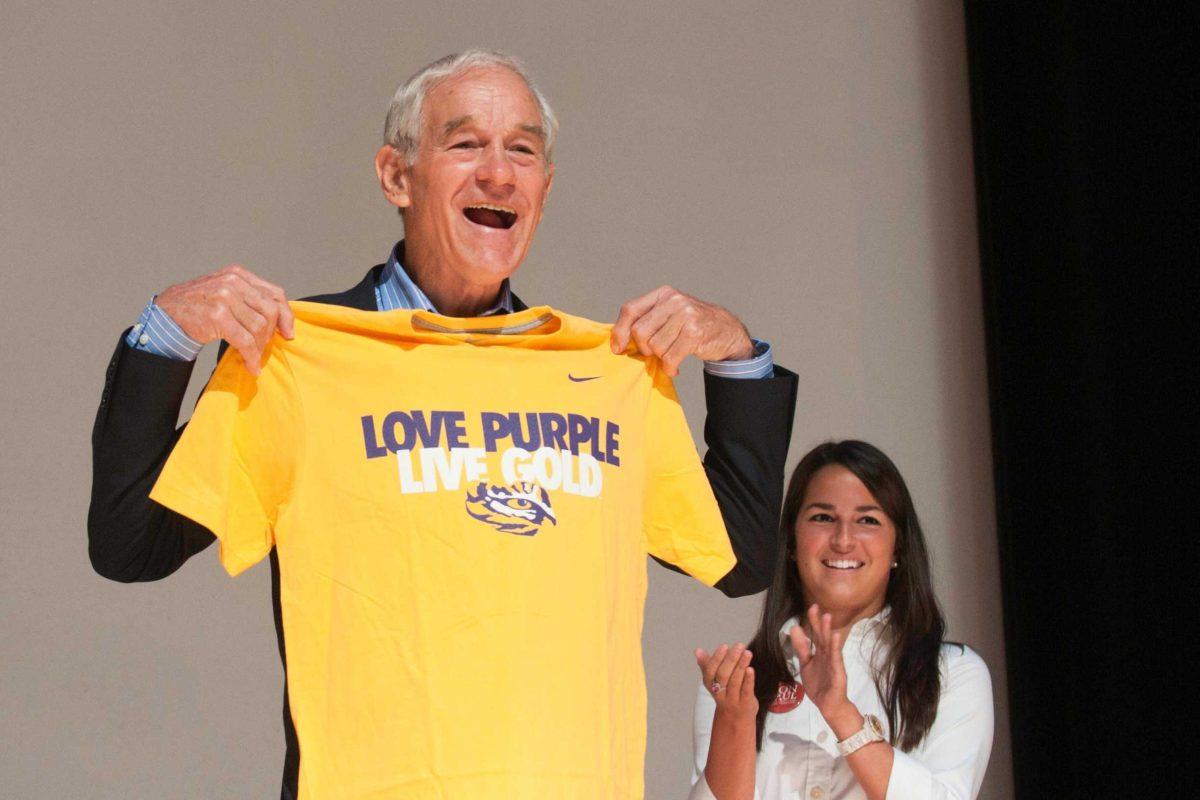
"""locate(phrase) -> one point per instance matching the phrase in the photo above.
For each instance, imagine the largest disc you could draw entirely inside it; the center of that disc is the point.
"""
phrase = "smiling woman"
(853, 692)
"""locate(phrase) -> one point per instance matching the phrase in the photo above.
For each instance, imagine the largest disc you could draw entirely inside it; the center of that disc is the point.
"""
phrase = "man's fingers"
(256, 322)
(284, 319)
(276, 309)
(287, 321)
(683, 346)
(242, 341)
(235, 328)
(273, 289)
(656, 324)
(262, 295)
(237, 270)
(630, 313)
(278, 315)
(205, 308)
(266, 307)
(661, 328)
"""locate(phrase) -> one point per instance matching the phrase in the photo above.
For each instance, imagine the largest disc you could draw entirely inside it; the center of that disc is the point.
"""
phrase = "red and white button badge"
(788, 697)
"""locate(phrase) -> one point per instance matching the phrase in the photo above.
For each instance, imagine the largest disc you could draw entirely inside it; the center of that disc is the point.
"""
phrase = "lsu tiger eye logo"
(521, 508)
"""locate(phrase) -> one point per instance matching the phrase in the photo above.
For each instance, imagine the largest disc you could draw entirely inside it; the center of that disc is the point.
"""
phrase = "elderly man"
(468, 162)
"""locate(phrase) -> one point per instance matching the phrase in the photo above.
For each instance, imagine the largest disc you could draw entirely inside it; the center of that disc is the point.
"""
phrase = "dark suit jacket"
(132, 538)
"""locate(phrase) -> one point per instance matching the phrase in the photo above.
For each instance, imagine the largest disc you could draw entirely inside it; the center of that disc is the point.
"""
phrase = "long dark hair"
(909, 681)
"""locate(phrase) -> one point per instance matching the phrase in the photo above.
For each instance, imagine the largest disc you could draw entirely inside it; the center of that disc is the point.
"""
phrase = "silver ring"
(716, 687)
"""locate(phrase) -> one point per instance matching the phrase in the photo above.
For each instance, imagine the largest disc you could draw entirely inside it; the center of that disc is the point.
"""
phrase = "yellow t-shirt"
(462, 510)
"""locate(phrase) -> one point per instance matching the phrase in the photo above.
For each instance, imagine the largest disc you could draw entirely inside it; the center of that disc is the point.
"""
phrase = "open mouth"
(842, 563)
(490, 215)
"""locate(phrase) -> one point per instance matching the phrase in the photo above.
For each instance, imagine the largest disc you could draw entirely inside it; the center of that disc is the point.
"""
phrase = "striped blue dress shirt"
(155, 331)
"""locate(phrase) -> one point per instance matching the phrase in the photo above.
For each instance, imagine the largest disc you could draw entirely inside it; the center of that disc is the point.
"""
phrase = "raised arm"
(747, 430)
(130, 537)
(751, 403)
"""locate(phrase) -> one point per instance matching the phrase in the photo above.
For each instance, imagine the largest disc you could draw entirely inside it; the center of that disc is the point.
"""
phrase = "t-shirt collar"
(536, 328)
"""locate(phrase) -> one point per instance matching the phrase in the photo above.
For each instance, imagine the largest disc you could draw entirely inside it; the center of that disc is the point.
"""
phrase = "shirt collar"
(397, 290)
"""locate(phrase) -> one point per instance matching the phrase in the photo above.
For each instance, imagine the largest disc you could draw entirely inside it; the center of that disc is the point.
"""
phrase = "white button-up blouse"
(799, 758)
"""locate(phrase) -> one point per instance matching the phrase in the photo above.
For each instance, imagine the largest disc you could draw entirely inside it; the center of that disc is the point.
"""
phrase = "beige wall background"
(807, 164)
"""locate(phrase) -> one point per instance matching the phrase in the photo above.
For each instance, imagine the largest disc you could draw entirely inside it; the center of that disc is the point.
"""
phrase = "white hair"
(402, 129)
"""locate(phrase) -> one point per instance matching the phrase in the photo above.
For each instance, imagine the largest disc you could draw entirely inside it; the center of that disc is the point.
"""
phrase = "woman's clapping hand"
(730, 679)
(822, 671)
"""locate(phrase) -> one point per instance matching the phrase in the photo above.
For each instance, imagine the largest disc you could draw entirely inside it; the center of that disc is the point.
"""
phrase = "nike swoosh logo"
(581, 380)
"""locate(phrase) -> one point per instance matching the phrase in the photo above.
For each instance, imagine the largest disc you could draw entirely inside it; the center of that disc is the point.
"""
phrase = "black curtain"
(1085, 150)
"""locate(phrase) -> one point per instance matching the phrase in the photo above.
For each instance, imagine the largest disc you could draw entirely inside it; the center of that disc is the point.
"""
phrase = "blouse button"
(816, 793)
(822, 736)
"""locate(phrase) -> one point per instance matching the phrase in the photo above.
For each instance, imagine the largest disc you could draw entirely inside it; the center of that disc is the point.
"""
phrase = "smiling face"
(473, 197)
(844, 545)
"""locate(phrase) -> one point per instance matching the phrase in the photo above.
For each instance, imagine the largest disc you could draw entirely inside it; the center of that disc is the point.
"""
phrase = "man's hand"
(232, 304)
(672, 325)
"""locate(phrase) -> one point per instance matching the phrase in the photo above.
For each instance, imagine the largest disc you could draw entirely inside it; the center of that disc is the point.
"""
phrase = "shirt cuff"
(760, 365)
(155, 332)
(910, 779)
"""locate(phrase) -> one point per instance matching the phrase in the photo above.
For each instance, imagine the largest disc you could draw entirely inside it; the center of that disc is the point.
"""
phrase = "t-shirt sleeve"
(233, 468)
(682, 521)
